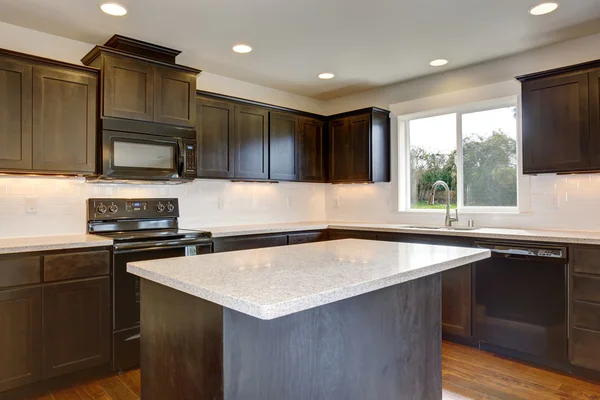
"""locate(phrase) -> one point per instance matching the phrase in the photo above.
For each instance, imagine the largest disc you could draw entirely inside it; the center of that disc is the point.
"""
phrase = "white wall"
(557, 202)
(28, 41)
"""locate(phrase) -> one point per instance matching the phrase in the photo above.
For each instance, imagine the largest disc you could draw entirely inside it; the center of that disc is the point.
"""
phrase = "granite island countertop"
(47, 243)
(273, 282)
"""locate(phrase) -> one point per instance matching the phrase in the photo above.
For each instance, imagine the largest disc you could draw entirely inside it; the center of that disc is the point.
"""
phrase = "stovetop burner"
(126, 220)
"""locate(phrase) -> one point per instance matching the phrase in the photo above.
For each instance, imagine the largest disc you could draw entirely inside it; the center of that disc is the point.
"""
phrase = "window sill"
(464, 211)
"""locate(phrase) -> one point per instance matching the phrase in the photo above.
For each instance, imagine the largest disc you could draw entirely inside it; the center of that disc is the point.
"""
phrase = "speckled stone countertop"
(272, 282)
(550, 236)
(45, 243)
(537, 235)
(241, 230)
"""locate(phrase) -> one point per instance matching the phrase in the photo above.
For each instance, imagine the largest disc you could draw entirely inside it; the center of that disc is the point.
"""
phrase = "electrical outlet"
(336, 202)
(31, 205)
(221, 203)
(288, 202)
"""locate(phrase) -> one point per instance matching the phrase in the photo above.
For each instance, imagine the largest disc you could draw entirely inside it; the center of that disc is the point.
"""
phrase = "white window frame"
(404, 203)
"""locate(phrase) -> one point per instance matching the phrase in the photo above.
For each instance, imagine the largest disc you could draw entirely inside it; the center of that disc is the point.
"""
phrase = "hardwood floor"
(467, 374)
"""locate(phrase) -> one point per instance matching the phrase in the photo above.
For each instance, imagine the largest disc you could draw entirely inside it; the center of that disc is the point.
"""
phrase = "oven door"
(126, 298)
(128, 155)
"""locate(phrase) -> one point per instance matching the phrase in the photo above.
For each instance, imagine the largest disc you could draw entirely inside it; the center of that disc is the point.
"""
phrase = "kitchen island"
(346, 319)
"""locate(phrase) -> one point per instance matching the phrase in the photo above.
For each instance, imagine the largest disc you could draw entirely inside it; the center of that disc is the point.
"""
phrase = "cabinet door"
(312, 151)
(456, 301)
(128, 89)
(20, 337)
(340, 145)
(76, 326)
(251, 143)
(64, 121)
(15, 115)
(556, 120)
(174, 97)
(594, 85)
(360, 133)
(214, 133)
(283, 144)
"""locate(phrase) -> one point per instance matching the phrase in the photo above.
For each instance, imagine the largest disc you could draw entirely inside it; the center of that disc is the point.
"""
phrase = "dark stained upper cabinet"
(174, 97)
(312, 160)
(561, 132)
(594, 82)
(140, 81)
(214, 133)
(359, 147)
(283, 146)
(48, 115)
(128, 89)
(15, 115)
(251, 143)
(64, 121)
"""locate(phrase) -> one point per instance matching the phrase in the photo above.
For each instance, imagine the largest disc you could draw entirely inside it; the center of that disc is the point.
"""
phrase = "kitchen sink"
(444, 228)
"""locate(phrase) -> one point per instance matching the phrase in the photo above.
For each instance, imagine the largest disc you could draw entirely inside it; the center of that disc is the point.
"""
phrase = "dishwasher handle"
(524, 252)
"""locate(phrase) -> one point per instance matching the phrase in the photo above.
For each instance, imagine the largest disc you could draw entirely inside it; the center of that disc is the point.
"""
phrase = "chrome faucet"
(449, 219)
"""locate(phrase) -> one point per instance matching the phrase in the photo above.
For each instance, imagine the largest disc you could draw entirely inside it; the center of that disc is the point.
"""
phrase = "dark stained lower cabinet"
(456, 301)
(76, 325)
(15, 115)
(307, 237)
(20, 336)
(313, 156)
(214, 134)
(251, 143)
(283, 146)
(64, 120)
(248, 242)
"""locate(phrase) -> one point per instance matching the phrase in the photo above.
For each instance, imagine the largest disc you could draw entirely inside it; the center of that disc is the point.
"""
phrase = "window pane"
(490, 158)
(432, 152)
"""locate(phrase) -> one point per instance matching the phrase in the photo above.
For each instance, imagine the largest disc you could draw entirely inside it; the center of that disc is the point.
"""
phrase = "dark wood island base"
(383, 345)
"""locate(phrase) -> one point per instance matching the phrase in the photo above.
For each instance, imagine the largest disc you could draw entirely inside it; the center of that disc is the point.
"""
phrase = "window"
(473, 150)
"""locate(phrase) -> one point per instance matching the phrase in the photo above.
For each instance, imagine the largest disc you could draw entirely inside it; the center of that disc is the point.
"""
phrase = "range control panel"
(107, 209)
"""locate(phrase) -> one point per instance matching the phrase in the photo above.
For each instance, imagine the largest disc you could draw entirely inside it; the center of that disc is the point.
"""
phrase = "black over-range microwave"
(133, 150)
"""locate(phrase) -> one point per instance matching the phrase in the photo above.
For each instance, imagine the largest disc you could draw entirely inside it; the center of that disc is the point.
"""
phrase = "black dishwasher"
(520, 302)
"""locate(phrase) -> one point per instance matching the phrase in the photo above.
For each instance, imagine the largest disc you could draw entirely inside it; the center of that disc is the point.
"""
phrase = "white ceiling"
(366, 43)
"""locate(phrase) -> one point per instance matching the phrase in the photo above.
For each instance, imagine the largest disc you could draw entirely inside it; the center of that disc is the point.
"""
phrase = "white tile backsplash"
(557, 202)
(61, 203)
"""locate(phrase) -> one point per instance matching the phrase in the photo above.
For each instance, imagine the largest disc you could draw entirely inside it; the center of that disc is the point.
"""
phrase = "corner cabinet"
(561, 128)
(50, 110)
(359, 147)
(312, 148)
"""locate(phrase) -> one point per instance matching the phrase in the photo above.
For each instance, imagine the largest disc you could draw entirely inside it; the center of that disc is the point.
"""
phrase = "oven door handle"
(172, 244)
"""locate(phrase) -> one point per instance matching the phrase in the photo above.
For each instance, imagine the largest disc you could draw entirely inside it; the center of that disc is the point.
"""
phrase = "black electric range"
(141, 229)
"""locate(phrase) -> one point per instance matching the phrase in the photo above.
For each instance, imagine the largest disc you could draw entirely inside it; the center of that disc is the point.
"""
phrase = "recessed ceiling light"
(113, 9)
(438, 63)
(544, 8)
(242, 48)
(326, 75)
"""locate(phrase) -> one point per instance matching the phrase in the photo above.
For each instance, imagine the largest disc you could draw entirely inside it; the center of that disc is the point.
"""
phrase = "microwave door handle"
(180, 158)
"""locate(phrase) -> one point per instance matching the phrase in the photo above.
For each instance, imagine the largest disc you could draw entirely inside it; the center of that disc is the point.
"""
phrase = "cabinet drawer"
(76, 265)
(586, 288)
(20, 271)
(586, 260)
(249, 242)
(307, 237)
(585, 348)
(341, 234)
(586, 315)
